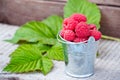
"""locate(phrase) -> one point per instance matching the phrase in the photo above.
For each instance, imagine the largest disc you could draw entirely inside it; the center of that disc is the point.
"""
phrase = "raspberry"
(70, 24)
(82, 30)
(96, 34)
(65, 22)
(92, 27)
(69, 35)
(79, 39)
(62, 32)
(79, 17)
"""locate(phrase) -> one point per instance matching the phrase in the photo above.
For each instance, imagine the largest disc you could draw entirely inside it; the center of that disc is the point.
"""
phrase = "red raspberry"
(96, 34)
(65, 22)
(70, 24)
(62, 32)
(82, 30)
(79, 17)
(79, 39)
(69, 35)
(92, 27)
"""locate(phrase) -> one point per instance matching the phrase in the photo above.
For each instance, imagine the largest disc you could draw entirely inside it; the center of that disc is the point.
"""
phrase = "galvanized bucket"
(79, 57)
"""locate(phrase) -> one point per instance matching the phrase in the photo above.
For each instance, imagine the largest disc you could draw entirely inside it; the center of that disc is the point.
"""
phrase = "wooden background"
(18, 12)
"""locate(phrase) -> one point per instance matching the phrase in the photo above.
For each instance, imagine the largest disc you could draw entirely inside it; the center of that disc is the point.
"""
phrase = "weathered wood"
(9, 78)
(18, 12)
(107, 65)
(110, 22)
(1, 14)
(107, 2)
(102, 2)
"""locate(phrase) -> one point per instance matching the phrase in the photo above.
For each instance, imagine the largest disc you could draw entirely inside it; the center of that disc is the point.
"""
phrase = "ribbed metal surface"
(107, 66)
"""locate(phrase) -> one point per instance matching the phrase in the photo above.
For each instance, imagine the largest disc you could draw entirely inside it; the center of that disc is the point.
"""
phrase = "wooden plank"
(1, 14)
(110, 22)
(104, 2)
(18, 12)
(107, 2)
(30, 10)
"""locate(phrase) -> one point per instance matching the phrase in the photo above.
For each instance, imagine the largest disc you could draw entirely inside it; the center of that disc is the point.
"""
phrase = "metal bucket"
(79, 57)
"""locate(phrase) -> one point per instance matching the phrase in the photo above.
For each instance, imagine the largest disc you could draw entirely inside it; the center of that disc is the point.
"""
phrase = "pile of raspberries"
(75, 29)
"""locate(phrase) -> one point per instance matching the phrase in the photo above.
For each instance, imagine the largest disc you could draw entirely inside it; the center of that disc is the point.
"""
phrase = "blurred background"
(14, 13)
(18, 12)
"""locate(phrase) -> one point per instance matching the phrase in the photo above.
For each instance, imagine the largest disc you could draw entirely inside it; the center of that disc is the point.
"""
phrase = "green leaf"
(50, 41)
(90, 10)
(46, 65)
(98, 54)
(56, 52)
(43, 47)
(27, 58)
(22, 48)
(32, 32)
(54, 23)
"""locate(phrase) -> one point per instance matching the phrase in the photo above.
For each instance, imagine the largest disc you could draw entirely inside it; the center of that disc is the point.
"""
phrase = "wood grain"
(104, 2)
(110, 22)
(1, 14)
(18, 12)
(107, 2)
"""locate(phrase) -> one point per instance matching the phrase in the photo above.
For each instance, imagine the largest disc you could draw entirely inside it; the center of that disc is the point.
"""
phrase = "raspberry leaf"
(34, 56)
(54, 23)
(23, 47)
(32, 32)
(27, 58)
(90, 10)
(56, 52)
(46, 65)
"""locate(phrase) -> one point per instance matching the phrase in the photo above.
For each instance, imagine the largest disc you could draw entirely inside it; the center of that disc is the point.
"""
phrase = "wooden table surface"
(107, 66)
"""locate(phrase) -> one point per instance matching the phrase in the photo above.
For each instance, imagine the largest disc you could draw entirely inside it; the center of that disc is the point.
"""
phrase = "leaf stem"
(110, 38)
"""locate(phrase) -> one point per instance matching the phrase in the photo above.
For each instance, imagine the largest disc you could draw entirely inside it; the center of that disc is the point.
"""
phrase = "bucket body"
(80, 57)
